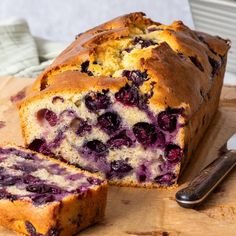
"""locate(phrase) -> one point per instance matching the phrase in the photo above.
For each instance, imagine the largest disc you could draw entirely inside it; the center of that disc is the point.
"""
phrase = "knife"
(206, 181)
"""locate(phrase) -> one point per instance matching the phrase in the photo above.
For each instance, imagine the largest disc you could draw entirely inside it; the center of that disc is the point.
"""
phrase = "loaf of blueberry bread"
(43, 196)
(129, 99)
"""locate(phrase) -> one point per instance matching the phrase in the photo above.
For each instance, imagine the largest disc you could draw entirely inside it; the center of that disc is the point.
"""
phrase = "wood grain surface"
(151, 212)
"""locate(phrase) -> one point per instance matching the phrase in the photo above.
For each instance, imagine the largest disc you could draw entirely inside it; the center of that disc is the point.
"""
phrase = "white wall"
(63, 19)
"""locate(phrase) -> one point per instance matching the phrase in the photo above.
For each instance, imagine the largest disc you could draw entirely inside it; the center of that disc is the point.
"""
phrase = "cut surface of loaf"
(129, 99)
(42, 196)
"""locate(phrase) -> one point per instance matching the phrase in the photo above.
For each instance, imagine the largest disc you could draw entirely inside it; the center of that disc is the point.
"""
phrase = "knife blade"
(207, 180)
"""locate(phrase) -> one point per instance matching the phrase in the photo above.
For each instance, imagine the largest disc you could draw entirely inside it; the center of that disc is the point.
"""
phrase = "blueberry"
(74, 177)
(25, 155)
(128, 95)
(121, 166)
(143, 172)
(7, 180)
(173, 153)
(80, 126)
(25, 167)
(167, 121)
(4, 151)
(5, 195)
(97, 101)
(96, 147)
(166, 179)
(142, 178)
(48, 115)
(215, 66)
(136, 76)
(82, 189)
(43, 198)
(196, 62)
(145, 133)
(36, 144)
(84, 68)
(94, 181)
(43, 188)
(144, 43)
(120, 140)
(40, 145)
(109, 122)
(31, 229)
(53, 232)
(128, 49)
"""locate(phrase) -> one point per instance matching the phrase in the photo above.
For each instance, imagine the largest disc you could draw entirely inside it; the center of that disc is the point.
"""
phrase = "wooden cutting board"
(151, 212)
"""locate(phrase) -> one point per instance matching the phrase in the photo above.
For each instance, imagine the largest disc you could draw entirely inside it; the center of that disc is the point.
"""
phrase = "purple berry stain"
(166, 179)
(143, 172)
(43, 188)
(31, 229)
(2, 124)
(120, 140)
(80, 126)
(48, 115)
(42, 199)
(94, 181)
(19, 96)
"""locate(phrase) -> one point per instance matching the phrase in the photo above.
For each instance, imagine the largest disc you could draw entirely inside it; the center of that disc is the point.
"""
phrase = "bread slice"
(43, 196)
(129, 99)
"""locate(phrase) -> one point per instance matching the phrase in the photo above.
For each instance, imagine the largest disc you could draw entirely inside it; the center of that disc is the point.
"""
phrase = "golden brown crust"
(84, 44)
(169, 65)
(200, 121)
(85, 209)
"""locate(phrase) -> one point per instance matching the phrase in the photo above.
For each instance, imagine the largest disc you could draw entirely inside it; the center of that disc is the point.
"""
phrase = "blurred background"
(60, 20)
(63, 19)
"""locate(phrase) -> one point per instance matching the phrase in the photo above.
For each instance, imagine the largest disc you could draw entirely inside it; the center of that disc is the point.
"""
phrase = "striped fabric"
(21, 54)
(217, 17)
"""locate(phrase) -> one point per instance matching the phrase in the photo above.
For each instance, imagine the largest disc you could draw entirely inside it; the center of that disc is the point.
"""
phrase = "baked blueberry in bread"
(42, 196)
(129, 99)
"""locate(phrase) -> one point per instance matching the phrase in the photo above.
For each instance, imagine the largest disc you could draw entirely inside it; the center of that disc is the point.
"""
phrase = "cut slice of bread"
(42, 196)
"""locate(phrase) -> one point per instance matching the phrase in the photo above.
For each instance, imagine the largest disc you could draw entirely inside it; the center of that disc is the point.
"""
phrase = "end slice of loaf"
(43, 196)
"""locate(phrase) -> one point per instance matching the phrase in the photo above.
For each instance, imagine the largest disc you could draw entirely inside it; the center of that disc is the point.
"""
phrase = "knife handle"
(205, 182)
